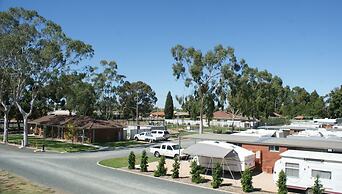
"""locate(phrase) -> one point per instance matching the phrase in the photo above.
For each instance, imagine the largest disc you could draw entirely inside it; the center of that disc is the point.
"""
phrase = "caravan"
(301, 168)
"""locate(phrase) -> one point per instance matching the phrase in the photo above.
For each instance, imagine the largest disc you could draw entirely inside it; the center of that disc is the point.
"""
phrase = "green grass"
(123, 162)
(37, 142)
(119, 143)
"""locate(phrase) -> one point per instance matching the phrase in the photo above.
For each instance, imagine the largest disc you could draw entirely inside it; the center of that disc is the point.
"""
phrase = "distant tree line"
(221, 82)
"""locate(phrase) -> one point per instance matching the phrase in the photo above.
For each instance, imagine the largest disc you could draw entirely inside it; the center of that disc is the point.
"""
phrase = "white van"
(301, 168)
(164, 134)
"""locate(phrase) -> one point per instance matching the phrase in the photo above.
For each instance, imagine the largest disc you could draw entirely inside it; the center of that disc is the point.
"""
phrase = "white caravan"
(301, 168)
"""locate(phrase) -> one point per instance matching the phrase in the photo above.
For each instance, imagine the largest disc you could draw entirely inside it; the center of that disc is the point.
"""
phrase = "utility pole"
(137, 111)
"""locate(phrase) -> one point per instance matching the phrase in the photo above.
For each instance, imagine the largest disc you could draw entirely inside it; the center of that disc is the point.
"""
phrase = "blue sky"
(298, 40)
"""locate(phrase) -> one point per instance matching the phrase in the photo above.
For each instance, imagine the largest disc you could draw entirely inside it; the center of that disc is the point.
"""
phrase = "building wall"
(267, 158)
(107, 135)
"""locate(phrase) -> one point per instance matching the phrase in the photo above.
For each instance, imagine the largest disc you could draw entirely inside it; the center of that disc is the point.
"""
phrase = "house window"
(274, 148)
(292, 169)
(321, 174)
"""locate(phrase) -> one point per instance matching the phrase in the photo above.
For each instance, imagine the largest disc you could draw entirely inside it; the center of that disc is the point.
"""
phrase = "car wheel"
(156, 154)
(309, 191)
(136, 139)
(176, 156)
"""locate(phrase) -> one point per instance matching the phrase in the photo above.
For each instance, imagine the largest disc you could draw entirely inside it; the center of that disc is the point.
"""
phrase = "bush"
(195, 172)
(161, 170)
(131, 160)
(246, 181)
(144, 162)
(217, 176)
(176, 167)
(318, 187)
(281, 183)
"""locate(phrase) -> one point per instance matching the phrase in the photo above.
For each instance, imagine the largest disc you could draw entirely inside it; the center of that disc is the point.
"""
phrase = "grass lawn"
(37, 142)
(13, 184)
(119, 143)
(123, 162)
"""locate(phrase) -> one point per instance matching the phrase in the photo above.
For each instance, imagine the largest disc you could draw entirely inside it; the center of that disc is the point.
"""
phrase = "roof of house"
(331, 145)
(312, 155)
(158, 114)
(222, 115)
(84, 122)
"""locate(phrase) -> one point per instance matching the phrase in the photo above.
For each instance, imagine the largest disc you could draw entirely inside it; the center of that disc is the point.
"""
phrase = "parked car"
(164, 134)
(167, 149)
(146, 136)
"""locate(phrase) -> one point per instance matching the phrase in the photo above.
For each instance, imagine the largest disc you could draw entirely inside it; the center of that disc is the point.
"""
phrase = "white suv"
(164, 134)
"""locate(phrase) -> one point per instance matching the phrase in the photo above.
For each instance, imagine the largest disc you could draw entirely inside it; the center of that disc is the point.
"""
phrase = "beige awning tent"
(208, 150)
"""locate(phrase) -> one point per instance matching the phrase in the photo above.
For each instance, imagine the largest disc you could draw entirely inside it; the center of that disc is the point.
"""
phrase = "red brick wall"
(267, 158)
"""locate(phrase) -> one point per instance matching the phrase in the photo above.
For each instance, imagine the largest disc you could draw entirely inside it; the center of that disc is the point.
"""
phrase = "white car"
(164, 134)
(146, 136)
(167, 149)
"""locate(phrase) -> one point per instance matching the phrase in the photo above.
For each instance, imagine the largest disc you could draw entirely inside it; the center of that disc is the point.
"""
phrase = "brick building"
(268, 149)
(88, 129)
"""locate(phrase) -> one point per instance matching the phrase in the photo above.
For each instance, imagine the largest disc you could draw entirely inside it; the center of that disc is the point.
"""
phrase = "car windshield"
(176, 147)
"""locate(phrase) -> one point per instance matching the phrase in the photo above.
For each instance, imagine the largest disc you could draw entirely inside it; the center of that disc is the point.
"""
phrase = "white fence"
(220, 123)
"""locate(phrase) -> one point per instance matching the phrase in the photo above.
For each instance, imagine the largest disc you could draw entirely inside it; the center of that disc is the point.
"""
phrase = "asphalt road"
(79, 173)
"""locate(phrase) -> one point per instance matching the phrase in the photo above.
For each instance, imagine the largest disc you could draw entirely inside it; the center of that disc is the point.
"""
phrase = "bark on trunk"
(5, 137)
(25, 134)
(201, 116)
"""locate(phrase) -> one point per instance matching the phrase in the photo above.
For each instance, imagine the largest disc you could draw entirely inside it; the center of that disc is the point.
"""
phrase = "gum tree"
(41, 52)
(202, 72)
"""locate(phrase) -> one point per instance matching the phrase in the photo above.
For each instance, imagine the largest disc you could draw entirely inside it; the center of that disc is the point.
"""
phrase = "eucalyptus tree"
(106, 83)
(136, 98)
(202, 72)
(41, 52)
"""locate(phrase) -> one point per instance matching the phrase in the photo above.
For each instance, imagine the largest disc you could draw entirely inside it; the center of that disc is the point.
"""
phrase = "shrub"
(217, 176)
(318, 187)
(195, 172)
(144, 162)
(176, 167)
(281, 183)
(161, 170)
(246, 181)
(131, 160)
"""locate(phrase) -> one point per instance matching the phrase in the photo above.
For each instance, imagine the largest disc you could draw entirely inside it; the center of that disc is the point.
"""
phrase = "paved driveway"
(78, 173)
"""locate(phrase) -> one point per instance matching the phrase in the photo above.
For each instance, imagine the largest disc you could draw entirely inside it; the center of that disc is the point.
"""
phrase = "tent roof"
(208, 150)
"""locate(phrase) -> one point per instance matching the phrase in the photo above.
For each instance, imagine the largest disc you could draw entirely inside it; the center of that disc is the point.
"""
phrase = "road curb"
(159, 178)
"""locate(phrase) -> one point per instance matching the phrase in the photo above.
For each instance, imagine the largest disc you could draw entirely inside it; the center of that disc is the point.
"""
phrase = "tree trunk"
(25, 134)
(5, 137)
(201, 116)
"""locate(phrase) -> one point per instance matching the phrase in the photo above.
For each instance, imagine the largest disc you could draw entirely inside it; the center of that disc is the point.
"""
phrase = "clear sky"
(300, 41)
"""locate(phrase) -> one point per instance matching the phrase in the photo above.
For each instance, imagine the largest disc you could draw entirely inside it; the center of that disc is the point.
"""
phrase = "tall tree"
(136, 95)
(168, 109)
(41, 51)
(335, 103)
(202, 71)
(105, 84)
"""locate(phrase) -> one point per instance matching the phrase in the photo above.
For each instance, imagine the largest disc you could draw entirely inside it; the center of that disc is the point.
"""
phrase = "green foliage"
(274, 121)
(161, 170)
(246, 181)
(317, 187)
(131, 94)
(131, 160)
(71, 132)
(195, 172)
(335, 103)
(281, 183)
(176, 167)
(144, 162)
(203, 71)
(168, 110)
(217, 176)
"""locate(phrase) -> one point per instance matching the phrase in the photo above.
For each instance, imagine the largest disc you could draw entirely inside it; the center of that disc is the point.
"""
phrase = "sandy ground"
(262, 181)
